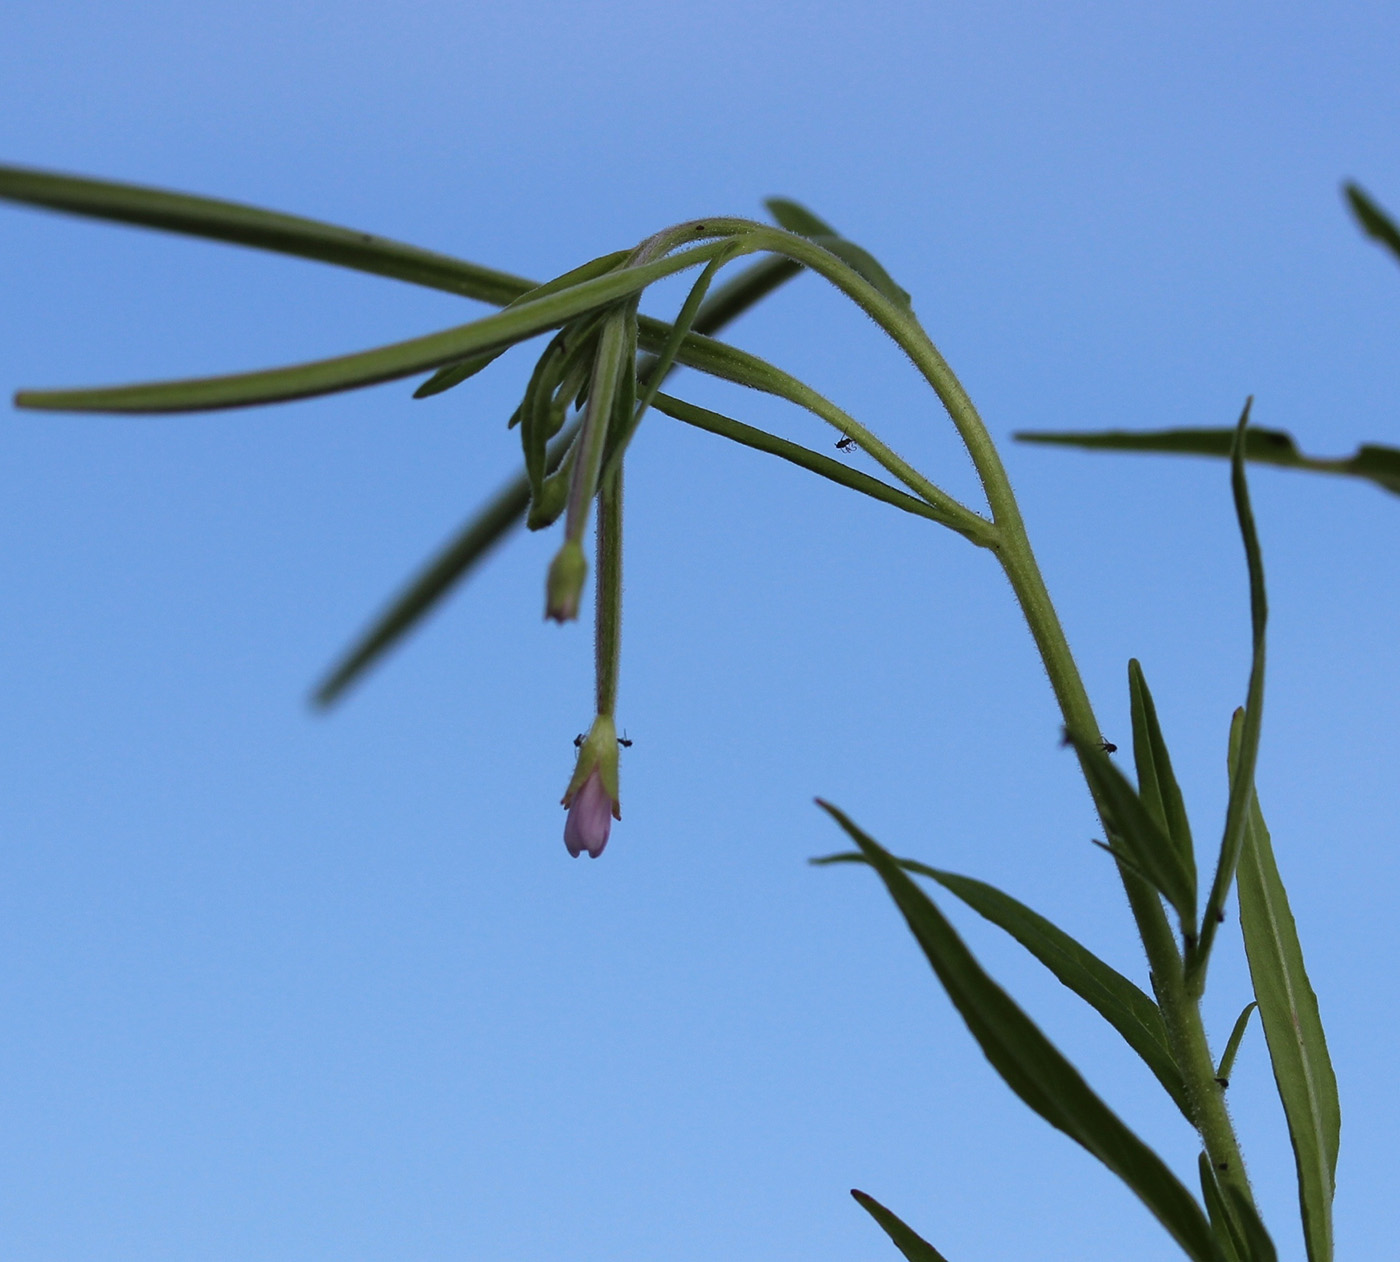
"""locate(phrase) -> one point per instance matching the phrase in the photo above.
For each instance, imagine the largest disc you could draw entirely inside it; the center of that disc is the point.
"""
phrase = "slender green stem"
(607, 644)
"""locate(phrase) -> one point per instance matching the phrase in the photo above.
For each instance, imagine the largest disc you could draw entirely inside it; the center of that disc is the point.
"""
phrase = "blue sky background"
(280, 986)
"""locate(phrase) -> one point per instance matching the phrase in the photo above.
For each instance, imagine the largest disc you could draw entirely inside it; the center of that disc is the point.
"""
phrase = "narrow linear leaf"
(1375, 223)
(385, 363)
(1157, 786)
(1232, 1045)
(1122, 1004)
(1242, 774)
(1031, 1065)
(238, 224)
(1137, 837)
(1377, 464)
(1288, 1010)
(795, 453)
(906, 1240)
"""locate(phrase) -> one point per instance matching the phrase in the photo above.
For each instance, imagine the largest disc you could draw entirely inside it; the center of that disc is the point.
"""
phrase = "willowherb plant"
(599, 373)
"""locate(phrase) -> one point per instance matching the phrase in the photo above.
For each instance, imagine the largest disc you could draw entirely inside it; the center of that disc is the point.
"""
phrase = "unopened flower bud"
(565, 583)
(592, 796)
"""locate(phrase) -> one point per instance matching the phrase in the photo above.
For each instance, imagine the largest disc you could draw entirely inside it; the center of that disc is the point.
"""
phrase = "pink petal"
(590, 819)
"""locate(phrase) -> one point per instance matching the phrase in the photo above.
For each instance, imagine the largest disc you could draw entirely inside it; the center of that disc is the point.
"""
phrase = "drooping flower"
(590, 818)
(592, 796)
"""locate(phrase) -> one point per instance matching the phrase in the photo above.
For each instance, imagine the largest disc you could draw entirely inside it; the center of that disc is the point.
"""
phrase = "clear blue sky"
(279, 986)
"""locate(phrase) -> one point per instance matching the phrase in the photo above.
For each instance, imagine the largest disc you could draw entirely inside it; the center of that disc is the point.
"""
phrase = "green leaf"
(262, 229)
(1380, 465)
(797, 218)
(386, 363)
(467, 548)
(1137, 838)
(450, 375)
(1375, 223)
(1157, 786)
(907, 1241)
(1292, 1024)
(1123, 1005)
(1032, 1066)
(1232, 1045)
(1258, 1246)
(1227, 1231)
(1242, 777)
(655, 371)
(800, 220)
(795, 453)
(505, 509)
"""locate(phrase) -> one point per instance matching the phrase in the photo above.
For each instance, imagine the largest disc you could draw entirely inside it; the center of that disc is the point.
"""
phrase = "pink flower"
(590, 817)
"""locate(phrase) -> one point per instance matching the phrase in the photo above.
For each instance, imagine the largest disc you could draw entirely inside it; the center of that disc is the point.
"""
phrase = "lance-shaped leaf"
(1237, 1224)
(1136, 837)
(1242, 773)
(1232, 1045)
(1222, 1222)
(217, 220)
(912, 1245)
(800, 220)
(1123, 1005)
(454, 374)
(1259, 1247)
(1292, 1024)
(1373, 463)
(1375, 223)
(1032, 1066)
(1157, 786)
(385, 363)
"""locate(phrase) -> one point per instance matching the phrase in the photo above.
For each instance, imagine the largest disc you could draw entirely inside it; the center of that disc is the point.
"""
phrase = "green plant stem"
(607, 645)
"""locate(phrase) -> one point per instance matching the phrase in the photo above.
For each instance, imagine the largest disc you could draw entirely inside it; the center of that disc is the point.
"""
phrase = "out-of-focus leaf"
(385, 363)
(262, 229)
(1157, 786)
(1032, 1066)
(1380, 465)
(1375, 223)
(1232, 1045)
(799, 219)
(1123, 1005)
(1242, 776)
(906, 1240)
(467, 548)
(1137, 838)
(795, 217)
(1292, 1024)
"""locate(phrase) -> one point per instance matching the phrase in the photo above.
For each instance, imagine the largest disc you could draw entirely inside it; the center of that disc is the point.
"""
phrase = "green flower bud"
(565, 584)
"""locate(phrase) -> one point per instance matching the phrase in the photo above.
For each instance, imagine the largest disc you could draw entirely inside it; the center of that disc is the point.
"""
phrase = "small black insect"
(578, 740)
(624, 741)
(1224, 1082)
(846, 443)
(1108, 747)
